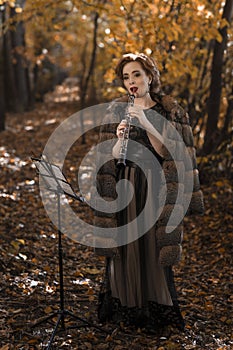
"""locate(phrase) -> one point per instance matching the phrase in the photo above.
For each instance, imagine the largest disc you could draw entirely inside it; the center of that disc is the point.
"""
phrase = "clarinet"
(125, 138)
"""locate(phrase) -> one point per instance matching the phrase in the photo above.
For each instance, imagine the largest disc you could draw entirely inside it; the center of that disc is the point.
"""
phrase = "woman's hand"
(120, 129)
(137, 112)
(120, 133)
(155, 137)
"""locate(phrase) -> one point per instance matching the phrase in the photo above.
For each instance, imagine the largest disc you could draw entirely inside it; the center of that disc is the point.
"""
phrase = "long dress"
(136, 289)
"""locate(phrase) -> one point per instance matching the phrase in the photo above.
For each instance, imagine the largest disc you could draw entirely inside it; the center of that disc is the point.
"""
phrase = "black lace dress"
(136, 289)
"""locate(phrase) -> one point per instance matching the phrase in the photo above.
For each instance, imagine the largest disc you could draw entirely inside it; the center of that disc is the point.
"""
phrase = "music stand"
(56, 182)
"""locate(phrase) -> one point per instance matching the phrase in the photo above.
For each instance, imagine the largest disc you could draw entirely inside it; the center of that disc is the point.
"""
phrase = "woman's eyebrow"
(135, 71)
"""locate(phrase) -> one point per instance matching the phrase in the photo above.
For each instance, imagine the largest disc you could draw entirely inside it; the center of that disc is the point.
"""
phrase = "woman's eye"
(125, 78)
(137, 75)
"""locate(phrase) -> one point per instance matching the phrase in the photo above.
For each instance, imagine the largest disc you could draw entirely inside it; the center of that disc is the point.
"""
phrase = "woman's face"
(135, 79)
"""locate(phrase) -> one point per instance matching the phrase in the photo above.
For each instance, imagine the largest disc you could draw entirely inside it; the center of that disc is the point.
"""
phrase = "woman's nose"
(131, 82)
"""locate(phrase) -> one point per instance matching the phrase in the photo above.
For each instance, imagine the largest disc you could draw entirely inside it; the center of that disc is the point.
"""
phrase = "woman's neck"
(145, 101)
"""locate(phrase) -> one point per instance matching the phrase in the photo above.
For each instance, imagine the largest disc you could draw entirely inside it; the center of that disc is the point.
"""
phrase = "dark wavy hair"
(148, 65)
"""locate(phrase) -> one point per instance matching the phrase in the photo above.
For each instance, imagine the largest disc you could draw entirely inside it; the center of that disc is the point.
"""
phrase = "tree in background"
(16, 73)
(2, 78)
(212, 137)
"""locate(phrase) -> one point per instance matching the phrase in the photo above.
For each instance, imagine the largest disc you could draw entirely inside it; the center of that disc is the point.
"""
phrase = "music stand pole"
(60, 253)
(62, 311)
(54, 184)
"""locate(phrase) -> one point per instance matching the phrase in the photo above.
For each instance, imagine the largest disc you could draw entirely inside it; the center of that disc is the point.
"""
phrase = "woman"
(139, 286)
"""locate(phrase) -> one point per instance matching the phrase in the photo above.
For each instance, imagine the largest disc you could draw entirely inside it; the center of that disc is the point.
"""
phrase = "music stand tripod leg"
(60, 319)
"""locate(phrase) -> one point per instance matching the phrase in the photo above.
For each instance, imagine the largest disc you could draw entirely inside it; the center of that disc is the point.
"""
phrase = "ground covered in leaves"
(29, 288)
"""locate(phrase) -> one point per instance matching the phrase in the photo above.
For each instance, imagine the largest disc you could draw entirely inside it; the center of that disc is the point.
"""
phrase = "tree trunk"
(17, 39)
(92, 63)
(11, 98)
(20, 64)
(213, 106)
(229, 116)
(17, 89)
(90, 71)
(2, 92)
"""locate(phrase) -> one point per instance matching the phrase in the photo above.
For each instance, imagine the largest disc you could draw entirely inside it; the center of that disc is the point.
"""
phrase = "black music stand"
(56, 182)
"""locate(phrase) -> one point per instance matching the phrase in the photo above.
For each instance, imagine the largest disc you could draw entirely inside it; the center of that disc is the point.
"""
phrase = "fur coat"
(180, 192)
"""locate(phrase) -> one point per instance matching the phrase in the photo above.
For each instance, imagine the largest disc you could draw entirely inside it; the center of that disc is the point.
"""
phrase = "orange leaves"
(91, 271)
(48, 309)
(5, 347)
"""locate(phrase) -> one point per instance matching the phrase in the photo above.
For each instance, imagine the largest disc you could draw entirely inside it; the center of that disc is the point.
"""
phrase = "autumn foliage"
(191, 40)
